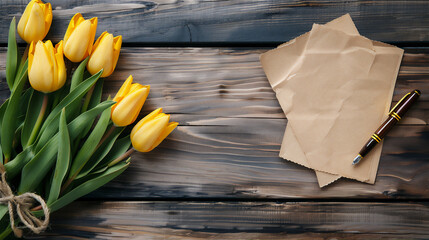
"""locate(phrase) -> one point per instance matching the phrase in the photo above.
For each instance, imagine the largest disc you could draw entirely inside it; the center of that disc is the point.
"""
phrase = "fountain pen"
(395, 116)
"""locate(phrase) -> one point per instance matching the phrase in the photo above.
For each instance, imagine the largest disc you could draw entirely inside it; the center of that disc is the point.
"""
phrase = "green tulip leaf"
(46, 135)
(89, 186)
(119, 147)
(77, 125)
(59, 94)
(37, 168)
(9, 123)
(34, 106)
(14, 167)
(63, 159)
(1, 156)
(12, 55)
(52, 119)
(100, 153)
(21, 77)
(3, 210)
(99, 170)
(3, 110)
(90, 145)
(17, 135)
(95, 99)
(96, 94)
(24, 101)
(78, 74)
(19, 121)
(21, 71)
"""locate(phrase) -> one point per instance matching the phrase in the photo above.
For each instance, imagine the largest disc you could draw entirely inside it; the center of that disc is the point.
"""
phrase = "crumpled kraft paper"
(335, 88)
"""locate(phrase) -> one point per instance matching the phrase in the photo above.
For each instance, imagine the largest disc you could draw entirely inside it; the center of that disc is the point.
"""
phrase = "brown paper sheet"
(346, 25)
(294, 151)
(335, 88)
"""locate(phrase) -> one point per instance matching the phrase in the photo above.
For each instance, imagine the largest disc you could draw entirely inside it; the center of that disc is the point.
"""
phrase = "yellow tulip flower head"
(105, 54)
(35, 21)
(149, 132)
(46, 68)
(79, 38)
(129, 101)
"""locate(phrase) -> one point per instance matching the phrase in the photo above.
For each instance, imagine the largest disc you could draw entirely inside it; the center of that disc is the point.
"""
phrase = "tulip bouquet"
(59, 140)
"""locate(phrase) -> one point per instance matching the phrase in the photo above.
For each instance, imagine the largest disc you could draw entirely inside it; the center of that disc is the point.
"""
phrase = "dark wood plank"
(237, 21)
(241, 220)
(231, 127)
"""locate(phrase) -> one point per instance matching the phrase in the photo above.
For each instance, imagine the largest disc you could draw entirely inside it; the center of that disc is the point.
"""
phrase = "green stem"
(122, 157)
(6, 232)
(67, 183)
(25, 55)
(39, 121)
(106, 135)
(87, 99)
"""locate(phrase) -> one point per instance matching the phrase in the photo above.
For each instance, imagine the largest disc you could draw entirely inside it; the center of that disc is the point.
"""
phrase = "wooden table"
(218, 176)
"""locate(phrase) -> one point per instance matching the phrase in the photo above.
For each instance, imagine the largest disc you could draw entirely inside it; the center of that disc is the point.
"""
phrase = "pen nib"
(357, 159)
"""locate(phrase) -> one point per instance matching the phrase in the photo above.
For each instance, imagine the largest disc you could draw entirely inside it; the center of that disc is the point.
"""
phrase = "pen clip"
(397, 104)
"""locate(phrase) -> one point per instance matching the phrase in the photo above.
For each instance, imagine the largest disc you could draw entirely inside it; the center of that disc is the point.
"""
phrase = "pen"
(395, 115)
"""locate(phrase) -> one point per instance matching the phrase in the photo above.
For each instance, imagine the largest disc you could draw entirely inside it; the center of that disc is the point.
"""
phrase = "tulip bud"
(149, 132)
(35, 21)
(46, 68)
(129, 101)
(79, 38)
(105, 54)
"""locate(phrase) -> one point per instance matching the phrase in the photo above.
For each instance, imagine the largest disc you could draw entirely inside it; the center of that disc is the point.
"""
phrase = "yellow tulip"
(35, 21)
(46, 68)
(149, 132)
(79, 38)
(129, 101)
(105, 54)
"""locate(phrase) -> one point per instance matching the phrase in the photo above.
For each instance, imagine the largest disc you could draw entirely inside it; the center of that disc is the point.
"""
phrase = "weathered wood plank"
(237, 21)
(231, 127)
(231, 130)
(224, 82)
(230, 82)
(241, 220)
(238, 158)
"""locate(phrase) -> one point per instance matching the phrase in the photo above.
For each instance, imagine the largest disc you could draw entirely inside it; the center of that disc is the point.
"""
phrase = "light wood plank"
(238, 21)
(231, 127)
(227, 82)
(241, 220)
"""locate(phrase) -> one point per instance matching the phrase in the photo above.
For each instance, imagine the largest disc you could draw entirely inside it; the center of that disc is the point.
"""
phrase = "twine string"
(21, 205)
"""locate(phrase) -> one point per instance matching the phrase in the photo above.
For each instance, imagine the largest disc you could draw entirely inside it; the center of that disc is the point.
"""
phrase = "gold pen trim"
(375, 137)
(396, 116)
(417, 92)
(402, 99)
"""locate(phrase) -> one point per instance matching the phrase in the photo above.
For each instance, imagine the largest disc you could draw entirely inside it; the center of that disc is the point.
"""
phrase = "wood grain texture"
(231, 127)
(240, 220)
(238, 21)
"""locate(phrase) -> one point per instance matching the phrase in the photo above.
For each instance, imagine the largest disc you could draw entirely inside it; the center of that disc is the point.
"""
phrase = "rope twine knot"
(21, 204)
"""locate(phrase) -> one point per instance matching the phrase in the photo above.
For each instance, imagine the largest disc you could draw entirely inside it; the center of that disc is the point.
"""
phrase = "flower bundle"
(59, 140)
